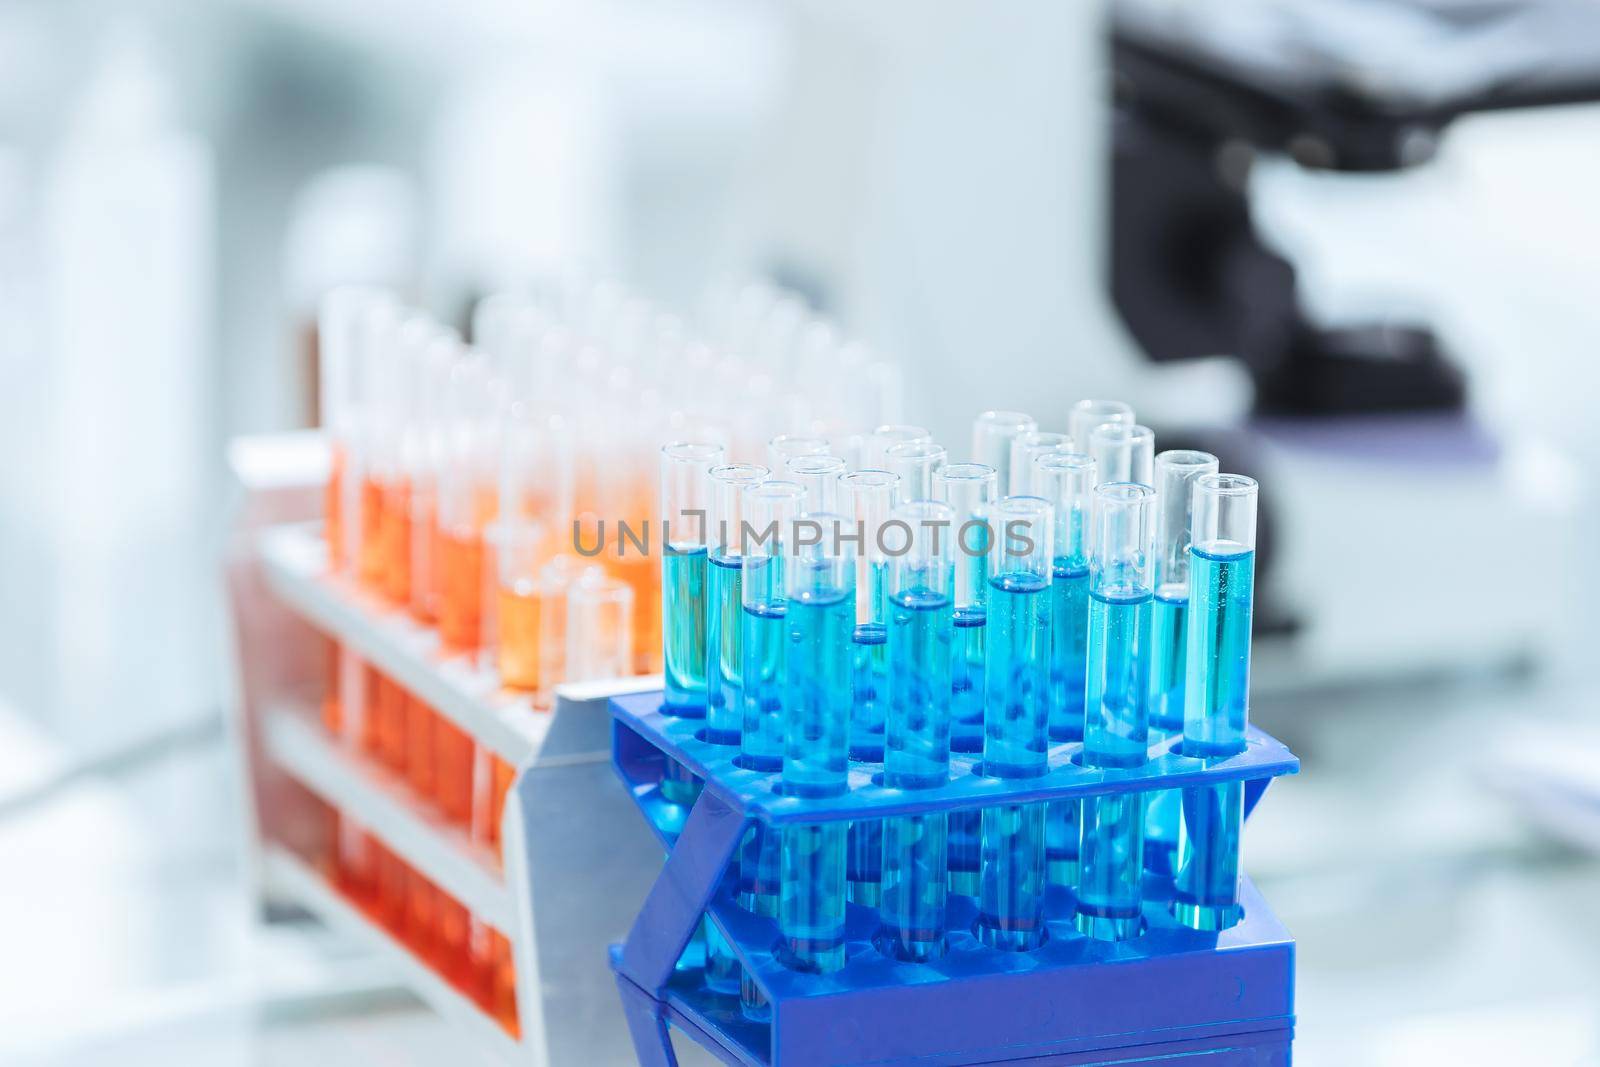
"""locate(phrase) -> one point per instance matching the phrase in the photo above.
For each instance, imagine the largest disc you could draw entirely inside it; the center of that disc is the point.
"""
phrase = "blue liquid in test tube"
(724, 628)
(684, 465)
(1066, 479)
(867, 497)
(969, 489)
(1217, 698)
(817, 695)
(1016, 723)
(769, 513)
(1111, 842)
(1175, 473)
(918, 742)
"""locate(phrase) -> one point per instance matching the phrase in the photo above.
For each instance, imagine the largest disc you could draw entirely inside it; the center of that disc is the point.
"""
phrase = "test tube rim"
(721, 473)
(915, 449)
(1124, 431)
(971, 471)
(692, 450)
(1222, 483)
(1124, 492)
(1186, 459)
(871, 477)
(1071, 461)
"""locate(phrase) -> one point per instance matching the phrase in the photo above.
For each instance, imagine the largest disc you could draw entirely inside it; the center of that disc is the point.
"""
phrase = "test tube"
(917, 754)
(867, 499)
(1123, 452)
(970, 489)
(820, 584)
(1217, 696)
(1087, 415)
(1175, 474)
(1024, 449)
(884, 438)
(466, 501)
(599, 629)
(1016, 721)
(915, 463)
(992, 434)
(684, 493)
(770, 511)
(786, 446)
(1116, 728)
(1066, 479)
(522, 538)
(724, 599)
(427, 573)
(868, 496)
(818, 475)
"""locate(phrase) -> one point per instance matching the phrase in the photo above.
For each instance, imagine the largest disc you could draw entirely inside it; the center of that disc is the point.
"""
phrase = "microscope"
(1389, 495)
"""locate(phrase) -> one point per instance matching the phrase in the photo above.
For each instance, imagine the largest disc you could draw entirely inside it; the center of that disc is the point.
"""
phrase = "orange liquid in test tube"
(422, 915)
(392, 725)
(419, 727)
(520, 609)
(370, 562)
(503, 984)
(454, 925)
(333, 509)
(393, 878)
(332, 712)
(453, 759)
(461, 606)
(396, 536)
(427, 577)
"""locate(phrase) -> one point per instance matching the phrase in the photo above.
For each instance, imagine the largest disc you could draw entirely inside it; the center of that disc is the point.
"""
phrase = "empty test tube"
(867, 499)
(1123, 452)
(1016, 721)
(1116, 728)
(915, 463)
(684, 493)
(786, 446)
(820, 583)
(882, 439)
(1175, 474)
(1024, 449)
(992, 434)
(599, 629)
(819, 476)
(1066, 480)
(1217, 696)
(1088, 415)
(917, 752)
(970, 490)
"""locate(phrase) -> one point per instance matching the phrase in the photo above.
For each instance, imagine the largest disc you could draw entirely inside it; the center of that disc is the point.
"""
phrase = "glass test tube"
(1016, 721)
(466, 501)
(1123, 452)
(884, 438)
(786, 446)
(917, 753)
(599, 629)
(523, 538)
(1024, 449)
(992, 434)
(820, 582)
(915, 463)
(1175, 473)
(1217, 696)
(1066, 479)
(724, 630)
(819, 476)
(770, 511)
(684, 493)
(1087, 415)
(725, 599)
(970, 489)
(867, 499)
(1116, 729)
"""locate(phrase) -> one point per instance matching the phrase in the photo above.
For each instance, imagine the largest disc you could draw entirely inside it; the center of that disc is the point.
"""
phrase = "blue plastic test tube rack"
(1171, 993)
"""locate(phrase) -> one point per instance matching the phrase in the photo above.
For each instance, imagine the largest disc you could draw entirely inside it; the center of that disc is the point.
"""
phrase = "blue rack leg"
(672, 910)
(647, 1025)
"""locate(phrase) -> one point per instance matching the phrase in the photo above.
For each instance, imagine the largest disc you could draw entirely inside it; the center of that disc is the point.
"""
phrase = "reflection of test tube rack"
(1171, 991)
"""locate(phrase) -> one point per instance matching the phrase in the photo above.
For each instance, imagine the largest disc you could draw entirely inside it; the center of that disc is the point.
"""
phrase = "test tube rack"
(1172, 993)
(560, 889)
